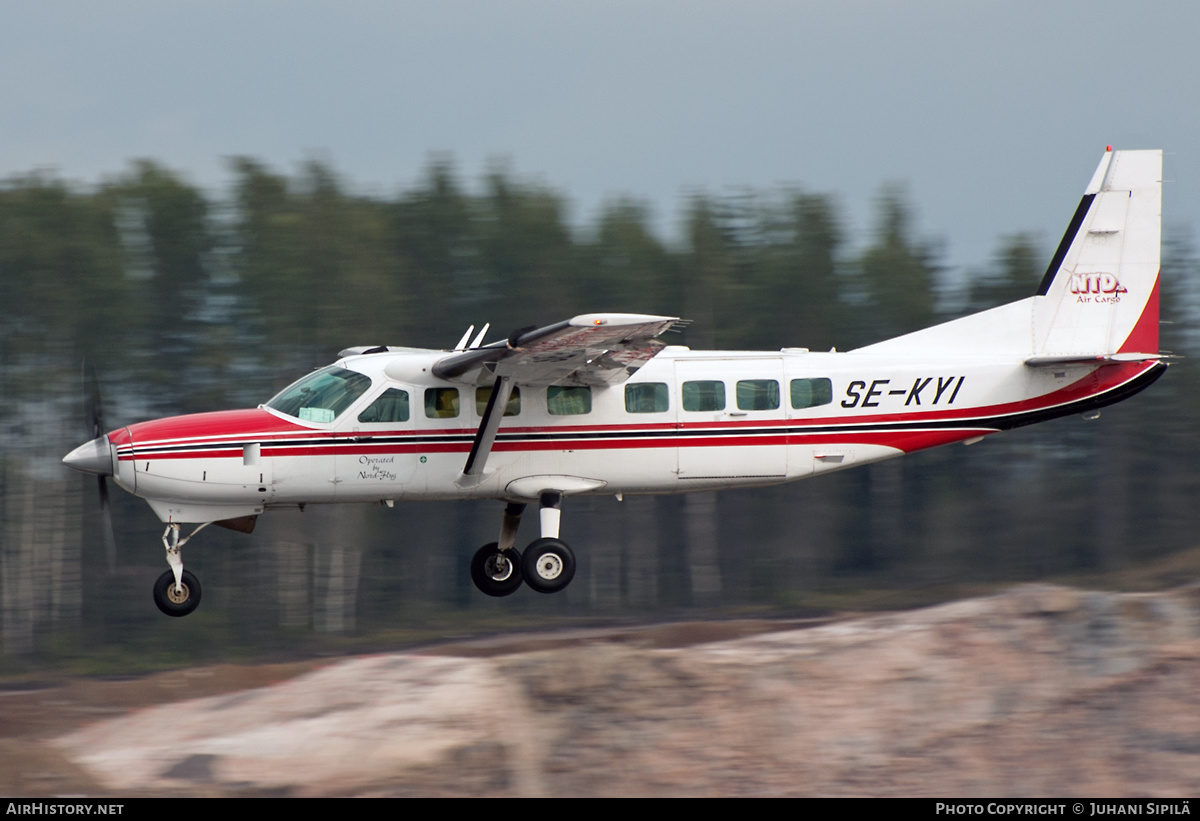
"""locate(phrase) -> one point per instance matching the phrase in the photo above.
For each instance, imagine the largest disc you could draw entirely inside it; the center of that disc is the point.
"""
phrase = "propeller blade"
(110, 536)
(93, 409)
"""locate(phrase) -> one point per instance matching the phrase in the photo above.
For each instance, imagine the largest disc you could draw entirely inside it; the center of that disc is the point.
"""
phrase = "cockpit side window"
(321, 396)
(391, 406)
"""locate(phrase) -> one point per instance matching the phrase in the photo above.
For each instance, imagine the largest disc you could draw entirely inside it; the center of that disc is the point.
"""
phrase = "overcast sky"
(993, 113)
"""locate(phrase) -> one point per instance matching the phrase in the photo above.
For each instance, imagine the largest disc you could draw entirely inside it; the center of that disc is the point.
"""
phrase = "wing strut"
(488, 426)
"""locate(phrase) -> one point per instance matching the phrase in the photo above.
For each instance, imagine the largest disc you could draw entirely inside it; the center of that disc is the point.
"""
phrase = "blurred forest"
(185, 302)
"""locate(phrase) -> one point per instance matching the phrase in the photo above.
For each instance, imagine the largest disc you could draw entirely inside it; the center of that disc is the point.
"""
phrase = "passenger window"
(511, 409)
(647, 397)
(811, 393)
(562, 400)
(704, 395)
(757, 394)
(441, 403)
(391, 406)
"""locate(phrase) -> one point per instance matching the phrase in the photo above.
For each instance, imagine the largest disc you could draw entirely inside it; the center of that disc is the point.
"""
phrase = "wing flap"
(590, 349)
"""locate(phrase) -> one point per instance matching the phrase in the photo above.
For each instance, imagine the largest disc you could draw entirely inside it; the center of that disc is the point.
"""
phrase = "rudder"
(1099, 297)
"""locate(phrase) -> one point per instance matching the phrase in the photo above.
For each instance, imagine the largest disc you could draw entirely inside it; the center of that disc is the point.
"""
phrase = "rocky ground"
(1040, 691)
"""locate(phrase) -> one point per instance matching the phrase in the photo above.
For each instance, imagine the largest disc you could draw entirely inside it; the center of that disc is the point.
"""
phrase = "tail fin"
(1099, 297)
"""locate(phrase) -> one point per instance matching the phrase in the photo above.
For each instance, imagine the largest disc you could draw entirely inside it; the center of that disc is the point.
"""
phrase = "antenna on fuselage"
(479, 339)
(462, 343)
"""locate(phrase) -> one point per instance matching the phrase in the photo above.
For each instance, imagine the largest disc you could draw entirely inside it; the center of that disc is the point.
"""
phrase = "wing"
(591, 349)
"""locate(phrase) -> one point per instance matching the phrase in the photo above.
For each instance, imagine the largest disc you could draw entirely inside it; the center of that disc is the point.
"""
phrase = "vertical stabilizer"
(1099, 296)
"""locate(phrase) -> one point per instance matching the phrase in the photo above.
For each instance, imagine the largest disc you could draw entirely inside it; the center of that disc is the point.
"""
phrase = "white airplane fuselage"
(738, 426)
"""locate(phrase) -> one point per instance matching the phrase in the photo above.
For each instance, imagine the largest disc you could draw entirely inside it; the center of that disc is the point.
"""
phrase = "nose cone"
(94, 457)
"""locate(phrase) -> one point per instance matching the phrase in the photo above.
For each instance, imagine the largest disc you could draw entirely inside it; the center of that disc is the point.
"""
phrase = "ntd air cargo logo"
(1097, 288)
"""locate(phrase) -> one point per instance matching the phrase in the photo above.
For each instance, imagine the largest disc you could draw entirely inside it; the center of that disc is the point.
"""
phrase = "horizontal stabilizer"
(1090, 359)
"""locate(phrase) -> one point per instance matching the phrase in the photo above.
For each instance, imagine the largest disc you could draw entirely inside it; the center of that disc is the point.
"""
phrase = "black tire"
(493, 576)
(169, 601)
(548, 566)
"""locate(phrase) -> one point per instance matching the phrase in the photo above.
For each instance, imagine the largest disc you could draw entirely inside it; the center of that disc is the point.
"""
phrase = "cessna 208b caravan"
(598, 405)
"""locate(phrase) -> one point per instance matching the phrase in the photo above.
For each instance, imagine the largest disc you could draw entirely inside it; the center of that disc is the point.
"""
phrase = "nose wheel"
(177, 599)
(177, 592)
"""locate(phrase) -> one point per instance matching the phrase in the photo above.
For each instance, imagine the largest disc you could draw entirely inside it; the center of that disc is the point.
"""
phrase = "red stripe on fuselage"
(906, 441)
(257, 425)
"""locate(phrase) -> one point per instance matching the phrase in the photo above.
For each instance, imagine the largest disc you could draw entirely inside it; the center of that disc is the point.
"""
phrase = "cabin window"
(647, 397)
(441, 403)
(757, 394)
(321, 396)
(391, 406)
(705, 395)
(811, 393)
(563, 400)
(511, 409)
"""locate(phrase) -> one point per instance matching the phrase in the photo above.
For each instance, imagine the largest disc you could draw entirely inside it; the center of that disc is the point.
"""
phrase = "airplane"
(600, 405)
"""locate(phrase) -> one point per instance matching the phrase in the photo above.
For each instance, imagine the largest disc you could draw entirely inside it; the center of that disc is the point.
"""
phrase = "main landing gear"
(496, 572)
(547, 566)
(177, 591)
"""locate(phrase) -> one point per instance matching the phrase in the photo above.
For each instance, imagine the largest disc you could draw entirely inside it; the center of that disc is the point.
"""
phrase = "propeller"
(93, 408)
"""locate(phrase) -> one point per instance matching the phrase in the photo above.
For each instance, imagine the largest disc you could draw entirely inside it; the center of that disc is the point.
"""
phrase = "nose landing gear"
(177, 591)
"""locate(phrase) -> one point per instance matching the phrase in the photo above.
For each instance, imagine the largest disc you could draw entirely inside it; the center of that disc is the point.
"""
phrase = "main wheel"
(177, 602)
(549, 565)
(496, 572)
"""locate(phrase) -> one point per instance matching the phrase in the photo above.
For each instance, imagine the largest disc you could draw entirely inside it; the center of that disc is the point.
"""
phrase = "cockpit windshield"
(321, 396)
